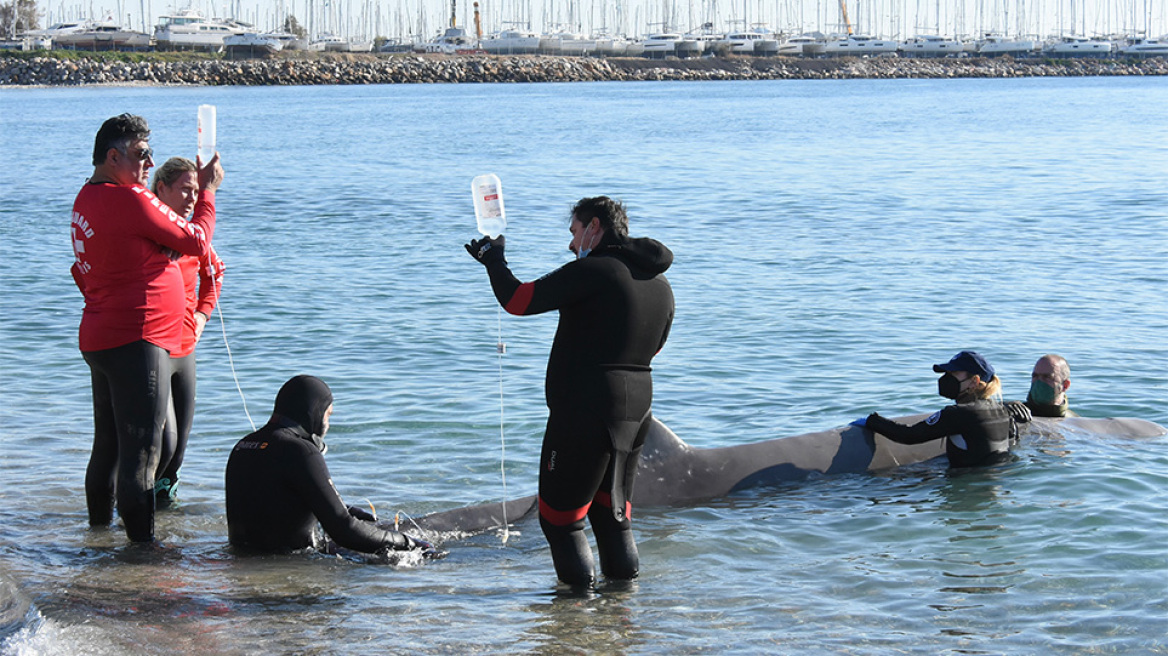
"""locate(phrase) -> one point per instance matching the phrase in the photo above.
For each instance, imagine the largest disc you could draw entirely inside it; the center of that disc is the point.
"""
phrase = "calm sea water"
(832, 241)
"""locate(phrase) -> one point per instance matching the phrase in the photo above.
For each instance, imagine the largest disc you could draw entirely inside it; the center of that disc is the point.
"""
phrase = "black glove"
(1019, 412)
(412, 544)
(487, 250)
(362, 514)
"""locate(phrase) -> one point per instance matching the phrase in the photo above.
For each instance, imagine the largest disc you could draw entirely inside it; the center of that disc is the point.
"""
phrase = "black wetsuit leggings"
(587, 469)
(180, 415)
(131, 385)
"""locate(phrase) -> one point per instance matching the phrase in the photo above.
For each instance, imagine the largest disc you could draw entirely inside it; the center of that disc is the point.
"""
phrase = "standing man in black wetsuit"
(616, 309)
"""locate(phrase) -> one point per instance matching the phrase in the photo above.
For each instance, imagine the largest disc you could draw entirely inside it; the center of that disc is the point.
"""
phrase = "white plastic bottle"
(488, 204)
(206, 133)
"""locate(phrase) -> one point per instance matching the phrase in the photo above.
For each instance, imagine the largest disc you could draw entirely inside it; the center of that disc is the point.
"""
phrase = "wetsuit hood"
(642, 252)
(303, 401)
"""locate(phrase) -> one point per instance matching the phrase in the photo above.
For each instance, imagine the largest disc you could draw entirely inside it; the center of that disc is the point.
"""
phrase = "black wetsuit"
(278, 485)
(977, 433)
(1048, 409)
(616, 310)
(130, 392)
(180, 415)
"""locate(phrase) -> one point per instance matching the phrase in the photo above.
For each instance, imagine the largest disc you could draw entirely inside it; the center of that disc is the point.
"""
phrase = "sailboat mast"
(844, 10)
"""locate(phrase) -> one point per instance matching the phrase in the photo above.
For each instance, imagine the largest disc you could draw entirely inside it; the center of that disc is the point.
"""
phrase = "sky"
(882, 18)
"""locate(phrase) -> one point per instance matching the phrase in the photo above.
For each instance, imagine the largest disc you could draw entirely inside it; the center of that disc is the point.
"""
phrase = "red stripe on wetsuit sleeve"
(562, 517)
(520, 299)
(605, 499)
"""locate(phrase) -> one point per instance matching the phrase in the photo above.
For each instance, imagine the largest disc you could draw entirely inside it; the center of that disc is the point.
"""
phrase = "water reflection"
(597, 622)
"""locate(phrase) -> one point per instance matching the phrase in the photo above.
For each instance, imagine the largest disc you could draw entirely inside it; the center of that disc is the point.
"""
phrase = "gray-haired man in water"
(1048, 386)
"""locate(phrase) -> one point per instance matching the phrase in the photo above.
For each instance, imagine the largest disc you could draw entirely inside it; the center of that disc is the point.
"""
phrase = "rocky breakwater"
(372, 69)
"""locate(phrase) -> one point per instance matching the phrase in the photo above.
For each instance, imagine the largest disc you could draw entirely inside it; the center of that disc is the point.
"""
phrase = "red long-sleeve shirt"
(124, 242)
(203, 282)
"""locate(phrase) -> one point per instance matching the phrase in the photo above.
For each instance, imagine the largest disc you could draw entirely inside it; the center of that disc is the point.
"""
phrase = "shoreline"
(351, 69)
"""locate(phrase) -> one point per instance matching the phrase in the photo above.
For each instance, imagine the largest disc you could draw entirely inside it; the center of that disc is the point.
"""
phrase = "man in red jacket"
(124, 243)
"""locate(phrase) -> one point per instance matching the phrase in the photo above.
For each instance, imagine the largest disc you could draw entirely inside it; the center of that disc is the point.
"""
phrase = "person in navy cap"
(977, 430)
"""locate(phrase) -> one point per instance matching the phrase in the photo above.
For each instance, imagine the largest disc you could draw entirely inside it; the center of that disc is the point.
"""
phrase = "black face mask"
(948, 386)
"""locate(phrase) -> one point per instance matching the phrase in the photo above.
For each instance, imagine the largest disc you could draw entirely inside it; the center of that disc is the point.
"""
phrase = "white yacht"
(767, 44)
(566, 43)
(931, 45)
(1142, 47)
(808, 45)
(454, 39)
(26, 42)
(743, 43)
(326, 41)
(289, 41)
(102, 35)
(858, 45)
(613, 46)
(789, 48)
(396, 44)
(189, 29)
(662, 44)
(1077, 46)
(253, 43)
(996, 44)
(359, 44)
(57, 30)
(511, 42)
(694, 44)
(689, 45)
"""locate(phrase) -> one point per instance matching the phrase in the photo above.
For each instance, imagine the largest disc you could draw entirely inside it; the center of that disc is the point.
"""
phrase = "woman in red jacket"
(176, 183)
(124, 239)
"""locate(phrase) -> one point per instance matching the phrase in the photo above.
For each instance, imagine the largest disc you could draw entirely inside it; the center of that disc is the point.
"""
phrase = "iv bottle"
(206, 133)
(488, 204)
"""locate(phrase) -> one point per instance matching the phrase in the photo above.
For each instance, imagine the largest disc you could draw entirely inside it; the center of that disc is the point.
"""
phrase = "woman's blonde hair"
(991, 389)
(169, 172)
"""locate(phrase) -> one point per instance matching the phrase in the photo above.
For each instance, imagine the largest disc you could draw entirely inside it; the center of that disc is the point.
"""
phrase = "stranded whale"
(673, 473)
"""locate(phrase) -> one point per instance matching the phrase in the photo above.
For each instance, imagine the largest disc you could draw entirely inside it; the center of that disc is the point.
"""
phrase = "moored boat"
(103, 35)
(613, 46)
(996, 44)
(566, 43)
(1077, 46)
(739, 43)
(662, 44)
(511, 42)
(808, 45)
(452, 40)
(252, 44)
(1143, 47)
(690, 45)
(858, 45)
(190, 30)
(931, 45)
(26, 42)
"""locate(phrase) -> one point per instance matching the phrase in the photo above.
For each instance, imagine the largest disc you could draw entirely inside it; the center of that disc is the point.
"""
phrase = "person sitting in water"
(977, 430)
(1048, 387)
(278, 485)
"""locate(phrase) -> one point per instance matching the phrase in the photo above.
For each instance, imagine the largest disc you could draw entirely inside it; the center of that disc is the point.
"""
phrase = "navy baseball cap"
(969, 361)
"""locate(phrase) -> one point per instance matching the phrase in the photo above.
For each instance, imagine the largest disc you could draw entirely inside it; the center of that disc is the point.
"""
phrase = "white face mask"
(582, 252)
